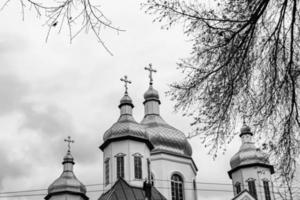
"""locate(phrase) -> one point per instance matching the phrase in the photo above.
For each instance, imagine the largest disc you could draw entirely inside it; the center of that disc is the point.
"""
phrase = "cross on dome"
(69, 141)
(151, 70)
(244, 120)
(126, 82)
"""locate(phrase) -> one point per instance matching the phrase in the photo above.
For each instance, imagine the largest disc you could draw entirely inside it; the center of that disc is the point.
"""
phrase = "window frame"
(238, 187)
(120, 165)
(138, 166)
(267, 191)
(177, 187)
(252, 187)
(107, 171)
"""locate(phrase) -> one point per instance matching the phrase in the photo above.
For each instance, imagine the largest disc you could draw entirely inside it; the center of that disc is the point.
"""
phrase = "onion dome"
(67, 183)
(126, 127)
(164, 137)
(248, 155)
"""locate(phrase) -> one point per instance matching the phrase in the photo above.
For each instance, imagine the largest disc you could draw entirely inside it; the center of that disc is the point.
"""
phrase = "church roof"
(121, 190)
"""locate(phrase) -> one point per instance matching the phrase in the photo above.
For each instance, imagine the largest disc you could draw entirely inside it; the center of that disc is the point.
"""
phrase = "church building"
(153, 160)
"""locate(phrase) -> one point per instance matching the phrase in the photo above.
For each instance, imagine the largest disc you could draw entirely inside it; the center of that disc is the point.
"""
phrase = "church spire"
(68, 161)
(126, 104)
(151, 96)
(151, 70)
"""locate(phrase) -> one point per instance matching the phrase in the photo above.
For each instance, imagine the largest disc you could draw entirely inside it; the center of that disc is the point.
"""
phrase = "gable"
(244, 195)
(121, 190)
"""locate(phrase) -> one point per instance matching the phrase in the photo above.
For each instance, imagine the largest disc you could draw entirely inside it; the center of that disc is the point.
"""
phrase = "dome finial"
(244, 121)
(245, 128)
(151, 70)
(126, 82)
(69, 141)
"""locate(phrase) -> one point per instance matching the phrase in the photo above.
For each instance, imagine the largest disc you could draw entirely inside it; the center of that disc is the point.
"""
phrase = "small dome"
(165, 137)
(126, 100)
(245, 130)
(67, 182)
(151, 94)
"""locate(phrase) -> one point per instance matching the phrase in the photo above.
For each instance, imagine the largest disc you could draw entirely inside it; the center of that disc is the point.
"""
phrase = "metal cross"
(126, 81)
(244, 120)
(151, 70)
(69, 141)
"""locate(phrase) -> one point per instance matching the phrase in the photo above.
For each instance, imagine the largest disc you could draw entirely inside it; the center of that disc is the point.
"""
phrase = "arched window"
(237, 187)
(267, 190)
(252, 188)
(177, 187)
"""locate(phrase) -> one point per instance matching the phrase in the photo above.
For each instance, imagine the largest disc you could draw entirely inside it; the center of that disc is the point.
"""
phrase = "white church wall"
(128, 148)
(259, 174)
(163, 166)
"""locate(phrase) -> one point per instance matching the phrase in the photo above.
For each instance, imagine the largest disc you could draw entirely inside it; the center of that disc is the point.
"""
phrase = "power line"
(99, 190)
(100, 184)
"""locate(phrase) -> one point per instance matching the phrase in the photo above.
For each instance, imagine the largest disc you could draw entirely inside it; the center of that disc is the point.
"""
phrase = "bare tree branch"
(244, 62)
(74, 15)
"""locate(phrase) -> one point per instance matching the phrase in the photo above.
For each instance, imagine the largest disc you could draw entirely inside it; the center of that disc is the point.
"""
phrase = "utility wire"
(99, 190)
(100, 184)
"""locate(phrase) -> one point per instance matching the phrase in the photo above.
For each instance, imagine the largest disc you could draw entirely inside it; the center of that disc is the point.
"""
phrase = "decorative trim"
(251, 165)
(127, 137)
(137, 155)
(120, 155)
(48, 196)
(250, 179)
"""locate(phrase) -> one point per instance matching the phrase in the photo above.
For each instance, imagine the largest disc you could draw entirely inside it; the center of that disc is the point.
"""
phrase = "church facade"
(151, 159)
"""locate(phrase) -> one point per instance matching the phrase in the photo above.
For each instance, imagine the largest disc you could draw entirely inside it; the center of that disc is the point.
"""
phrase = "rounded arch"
(177, 186)
(178, 173)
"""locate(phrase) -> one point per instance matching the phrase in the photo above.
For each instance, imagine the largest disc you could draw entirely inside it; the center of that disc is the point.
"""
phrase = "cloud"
(41, 129)
(48, 119)
(12, 91)
(10, 43)
(10, 167)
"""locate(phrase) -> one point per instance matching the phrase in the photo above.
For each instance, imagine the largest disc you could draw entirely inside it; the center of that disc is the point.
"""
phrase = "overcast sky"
(51, 90)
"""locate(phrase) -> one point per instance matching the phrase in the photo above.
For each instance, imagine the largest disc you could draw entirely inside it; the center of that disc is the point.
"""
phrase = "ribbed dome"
(166, 138)
(67, 182)
(248, 153)
(151, 94)
(125, 126)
